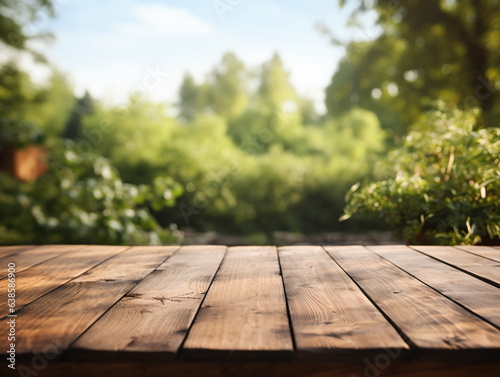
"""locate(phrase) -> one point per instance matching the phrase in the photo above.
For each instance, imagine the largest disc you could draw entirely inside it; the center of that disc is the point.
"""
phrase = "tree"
(427, 50)
(227, 93)
(82, 107)
(191, 98)
(275, 89)
(28, 111)
(57, 103)
(17, 98)
(356, 83)
(17, 16)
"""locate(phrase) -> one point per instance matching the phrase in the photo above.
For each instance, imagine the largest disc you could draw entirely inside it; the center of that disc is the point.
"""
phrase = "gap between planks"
(331, 317)
(436, 327)
(244, 314)
(473, 294)
(69, 263)
(31, 257)
(482, 268)
(483, 251)
(302, 320)
(62, 315)
(152, 320)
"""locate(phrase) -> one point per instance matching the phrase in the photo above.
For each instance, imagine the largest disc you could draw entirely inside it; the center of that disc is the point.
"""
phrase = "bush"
(83, 200)
(445, 184)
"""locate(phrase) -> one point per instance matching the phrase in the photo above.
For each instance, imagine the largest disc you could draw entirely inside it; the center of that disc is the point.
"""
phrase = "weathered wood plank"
(151, 322)
(133, 265)
(483, 251)
(32, 257)
(331, 318)
(480, 267)
(53, 322)
(85, 301)
(474, 294)
(36, 281)
(436, 327)
(244, 313)
(6, 251)
(7, 254)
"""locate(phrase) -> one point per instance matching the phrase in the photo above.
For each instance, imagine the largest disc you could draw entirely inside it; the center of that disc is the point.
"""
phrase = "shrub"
(445, 183)
(83, 200)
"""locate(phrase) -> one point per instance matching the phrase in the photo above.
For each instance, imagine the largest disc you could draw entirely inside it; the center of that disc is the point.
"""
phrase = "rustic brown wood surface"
(474, 294)
(245, 311)
(483, 268)
(55, 320)
(483, 251)
(24, 260)
(44, 277)
(7, 251)
(329, 314)
(153, 319)
(438, 328)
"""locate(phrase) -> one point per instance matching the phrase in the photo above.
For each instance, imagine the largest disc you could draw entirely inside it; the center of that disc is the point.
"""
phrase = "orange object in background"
(25, 164)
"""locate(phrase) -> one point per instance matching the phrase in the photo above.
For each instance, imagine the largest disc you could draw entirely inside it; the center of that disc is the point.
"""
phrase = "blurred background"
(249, 122)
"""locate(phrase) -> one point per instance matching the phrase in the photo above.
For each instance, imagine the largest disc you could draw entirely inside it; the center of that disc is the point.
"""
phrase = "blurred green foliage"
(445, 183)
(247, 175)
(243, 152)
(83, 200)
(14, 18)
(29, 112)
(252, 169)
(423, 51)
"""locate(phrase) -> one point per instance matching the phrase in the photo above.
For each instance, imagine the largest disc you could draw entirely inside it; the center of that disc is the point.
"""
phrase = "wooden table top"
(432, 308)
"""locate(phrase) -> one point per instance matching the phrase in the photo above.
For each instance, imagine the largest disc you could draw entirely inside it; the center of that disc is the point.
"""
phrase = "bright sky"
(108, 47)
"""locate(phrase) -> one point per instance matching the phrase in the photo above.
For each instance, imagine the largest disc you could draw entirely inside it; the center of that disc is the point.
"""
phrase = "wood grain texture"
(133, 313)
(436, 327)
(151, 322)
(32, 257)
(51, 324)
(6, 251)
(474, 294)
(244, 314)
(483, 251)
(133, 265)
(331, 318)
(480, 267)
(7, 255)
(36, 281)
